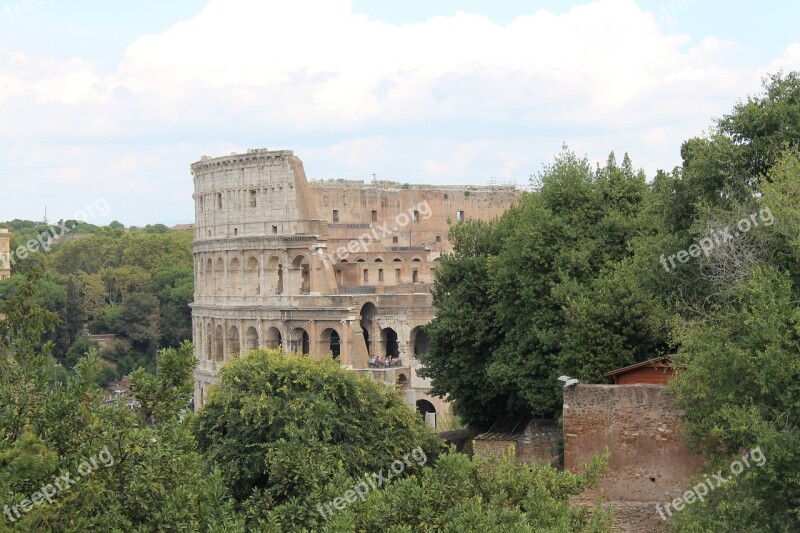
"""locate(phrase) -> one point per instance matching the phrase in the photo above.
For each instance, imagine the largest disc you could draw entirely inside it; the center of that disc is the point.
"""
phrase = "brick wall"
(640, 426)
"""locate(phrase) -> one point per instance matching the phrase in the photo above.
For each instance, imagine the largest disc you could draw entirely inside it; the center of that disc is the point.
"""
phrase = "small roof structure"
(657, 371)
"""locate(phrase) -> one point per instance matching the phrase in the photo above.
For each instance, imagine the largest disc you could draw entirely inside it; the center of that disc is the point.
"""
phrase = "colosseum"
(328, 268)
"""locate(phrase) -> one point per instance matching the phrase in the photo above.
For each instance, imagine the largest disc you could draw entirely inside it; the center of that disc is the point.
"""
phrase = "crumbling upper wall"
(259, 193)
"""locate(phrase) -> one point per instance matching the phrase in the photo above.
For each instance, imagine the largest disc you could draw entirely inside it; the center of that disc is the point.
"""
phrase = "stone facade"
(5, 254)
(326, 268)
(537, 441)
(640, 426)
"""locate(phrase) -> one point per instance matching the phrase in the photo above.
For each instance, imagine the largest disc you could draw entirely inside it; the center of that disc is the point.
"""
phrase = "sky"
(109, 103)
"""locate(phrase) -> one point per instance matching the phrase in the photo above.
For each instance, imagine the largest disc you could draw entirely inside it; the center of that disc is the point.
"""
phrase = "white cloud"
(449, 99)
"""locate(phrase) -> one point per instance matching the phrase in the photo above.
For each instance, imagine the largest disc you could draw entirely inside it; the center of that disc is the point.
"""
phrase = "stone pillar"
(411, 399)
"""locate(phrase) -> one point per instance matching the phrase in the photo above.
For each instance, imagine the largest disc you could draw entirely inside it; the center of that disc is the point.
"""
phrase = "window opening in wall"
(394, 239)
(209, 233)
(366, 275)
(397, 275)
(336, 215)
(438, 238)
(415, 216)
(252, 198)
(374, 216)
(200, 203)
(219, 200)
(236, 231)
(380, 274)
(460, 216)
(275, 230)
(415, 276)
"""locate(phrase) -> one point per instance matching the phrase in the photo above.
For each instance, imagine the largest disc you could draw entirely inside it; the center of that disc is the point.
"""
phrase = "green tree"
(281, 427)
(138, 321)
(463, 494)
(548, 289)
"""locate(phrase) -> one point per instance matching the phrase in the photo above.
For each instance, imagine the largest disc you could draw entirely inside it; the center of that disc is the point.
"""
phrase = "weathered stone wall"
(5, 254)
(640, 426)
(537, 442)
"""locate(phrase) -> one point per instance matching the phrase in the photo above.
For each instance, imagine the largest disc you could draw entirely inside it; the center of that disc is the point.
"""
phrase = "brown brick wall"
(639, 424)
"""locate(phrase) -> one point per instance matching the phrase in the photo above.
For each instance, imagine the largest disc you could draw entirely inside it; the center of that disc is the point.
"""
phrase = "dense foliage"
(586, 275)
(545, 290)
(136, 285)
(103, 467)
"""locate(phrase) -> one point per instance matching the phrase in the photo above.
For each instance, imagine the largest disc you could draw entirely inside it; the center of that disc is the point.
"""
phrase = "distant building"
(5, 254)
(656, 371)
(327, 268)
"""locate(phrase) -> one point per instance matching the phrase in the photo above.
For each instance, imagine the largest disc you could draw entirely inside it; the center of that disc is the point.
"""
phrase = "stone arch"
(219, 344)
(402, 380)
(235, 276)
(300, 342)
(252, 280)
(273, 338)
(391, 347)
(420, 344)
(416, 260)
(330, 342)
(251, 338)
(424, 407)
(397, 260)
(274, 273)
(368, 314)
(234, 347)
(378, 260)
(301, 274)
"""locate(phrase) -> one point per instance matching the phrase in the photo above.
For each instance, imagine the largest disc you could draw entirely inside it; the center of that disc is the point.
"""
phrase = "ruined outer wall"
(5, 254)
(639, 424)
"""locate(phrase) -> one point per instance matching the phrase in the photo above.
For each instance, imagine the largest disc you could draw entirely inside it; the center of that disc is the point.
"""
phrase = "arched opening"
(379, 260)
(416, 260)
(330, 342)
(219, 345)
(252, 281)
(402, 380)
(360, 261)
(397, 260)
(303, 270)
(300, 342)
(209, 276)
(234, 347)
(273, 338)
(235, 277)
(251, 338)
(389, 340)
(424, 407)
(368, 314)
(419, 341)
